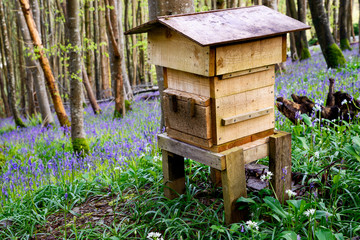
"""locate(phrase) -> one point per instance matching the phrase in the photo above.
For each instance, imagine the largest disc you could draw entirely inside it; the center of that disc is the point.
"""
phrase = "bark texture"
(38, 76)
(115, 58)
(10, 70)
(4, 97)
(339, 106)
(332, 53)
(344, 10)
(304, 52)
(94, 105)
(50, 80)
(78, 136)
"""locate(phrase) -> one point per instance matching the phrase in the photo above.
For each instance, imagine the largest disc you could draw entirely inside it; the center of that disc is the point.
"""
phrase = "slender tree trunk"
(160, 8)
(10, 70)
(24, 80)
(97, 53)
(78, 137)
(332, 53)
(50, 80)
(290, 12)
(304, 48)
(271, 4)
(4, 97)
(104, 60)
(88, 33)
(115, 58)
(343, 11)
(335, 21)
(95, 106)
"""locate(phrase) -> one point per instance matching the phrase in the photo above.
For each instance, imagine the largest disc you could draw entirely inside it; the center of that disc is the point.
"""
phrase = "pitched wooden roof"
(226, 26)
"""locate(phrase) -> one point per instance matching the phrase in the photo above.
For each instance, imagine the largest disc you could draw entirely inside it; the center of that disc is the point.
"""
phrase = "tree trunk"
(4, 97)
(89, 60)
(332, 53)
(343, 11)
(115, 58)
(304, 48)
(95, 106)
(335, 20)
(290, 12)
(24, 78)
(50, 80)
(78, 136)
(160, 8)
(134, 47)
(104, 60)
(271, 4)
(10, 70)
(97, 53)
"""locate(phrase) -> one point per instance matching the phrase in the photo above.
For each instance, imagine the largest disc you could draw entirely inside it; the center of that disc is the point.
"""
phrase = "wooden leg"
(234, 186)
(174, 174)
(215, 176)
(280, 163)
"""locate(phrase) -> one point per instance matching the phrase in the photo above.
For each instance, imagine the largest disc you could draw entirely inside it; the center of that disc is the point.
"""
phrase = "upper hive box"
(219, 72)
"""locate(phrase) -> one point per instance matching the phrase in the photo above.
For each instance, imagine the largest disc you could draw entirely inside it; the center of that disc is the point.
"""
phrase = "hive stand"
(231, 164)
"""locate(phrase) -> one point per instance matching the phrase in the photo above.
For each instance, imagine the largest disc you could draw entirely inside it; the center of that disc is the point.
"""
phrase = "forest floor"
(117, 193)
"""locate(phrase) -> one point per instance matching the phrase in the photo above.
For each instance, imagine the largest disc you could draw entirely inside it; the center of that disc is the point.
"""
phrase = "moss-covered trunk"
(343, 11)
(80, 144)
(332, 53)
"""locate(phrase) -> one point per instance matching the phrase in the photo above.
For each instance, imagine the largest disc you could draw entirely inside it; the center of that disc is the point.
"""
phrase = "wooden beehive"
(219, 72)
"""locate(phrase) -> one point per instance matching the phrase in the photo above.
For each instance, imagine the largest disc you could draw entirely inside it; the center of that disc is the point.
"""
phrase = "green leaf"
(336, 178)
(304, 143)
(218, 228)
(245, 200)
(324, 234)
(275, 205)
(297, 205)
(288, 235)
(306, 119)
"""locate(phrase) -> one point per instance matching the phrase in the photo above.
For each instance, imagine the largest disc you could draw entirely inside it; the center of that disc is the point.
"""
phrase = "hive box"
(219, 72)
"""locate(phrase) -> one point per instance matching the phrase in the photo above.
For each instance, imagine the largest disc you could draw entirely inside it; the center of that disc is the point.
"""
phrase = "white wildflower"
(290, 193)
(266, 176)
(117, 168)
(309, 212)
(316, 154)
(154, 236)
(344, 102)
(252, 225)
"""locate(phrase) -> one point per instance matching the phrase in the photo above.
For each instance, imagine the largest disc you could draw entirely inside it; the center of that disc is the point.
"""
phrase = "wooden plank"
(170, 49)
(240, 104)
(247, 116)
(215, 177)
(280, 163)
(196, 141)
(165, 78)
(234, 185)
(214, 160)
(174, 174)
(237, 57)
(188, 82)
(197, 123)
(284, 48)
(184, 96)
(244, 72)
(243, 83)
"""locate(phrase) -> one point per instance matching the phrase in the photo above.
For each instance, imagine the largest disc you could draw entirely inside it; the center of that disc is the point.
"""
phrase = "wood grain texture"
(174, 174)
(237, 57)
(240, 104)
(196, 141)
(170, 49)
(280, 163)
(196, 123)
(214, 160)
(188, 82)
(284, 48)
(245, 72)
(242, 82)
(227, 26)
(184, 96)
(246, 116)
(234, 185)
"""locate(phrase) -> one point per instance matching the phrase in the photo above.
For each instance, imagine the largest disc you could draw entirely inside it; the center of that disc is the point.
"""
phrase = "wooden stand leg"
(215, 176)
(234, 185)
(174, 174)
(280, 163)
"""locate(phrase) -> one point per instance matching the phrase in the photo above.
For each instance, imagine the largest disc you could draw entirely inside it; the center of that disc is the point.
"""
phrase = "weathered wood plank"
(234, 185)
(247, 116)
(242, 83)
(244, 72)
(174, 174)
(284, 48)
(196, 122)
(170, 49)
(188, 82)
(237, 57)
(196, 141)
(242, 103)
(280, 163)
(209, 158)
(184, 96)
